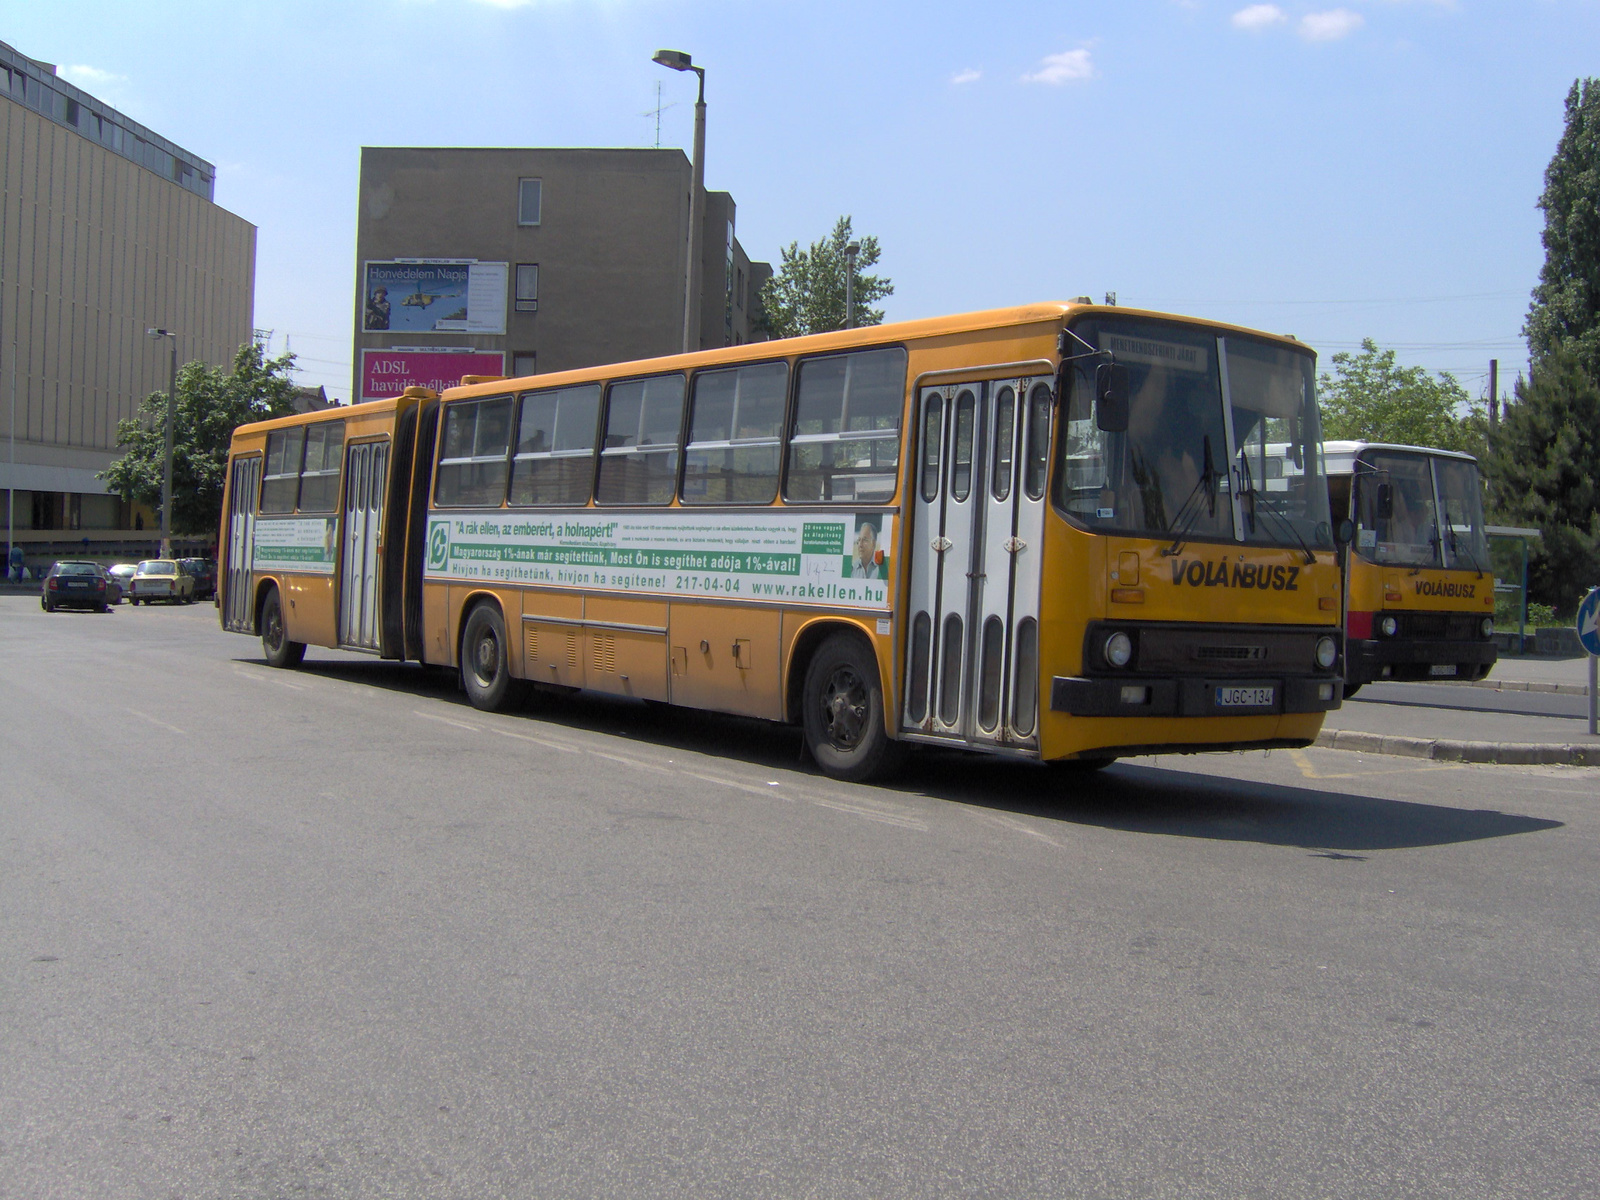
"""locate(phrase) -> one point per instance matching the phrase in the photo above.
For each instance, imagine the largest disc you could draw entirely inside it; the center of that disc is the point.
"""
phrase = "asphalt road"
(334, 933)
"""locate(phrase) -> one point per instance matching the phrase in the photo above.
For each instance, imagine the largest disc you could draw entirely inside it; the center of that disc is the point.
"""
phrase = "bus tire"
(1350, 689)
(485, 662)
(275, 643)
(842, 712)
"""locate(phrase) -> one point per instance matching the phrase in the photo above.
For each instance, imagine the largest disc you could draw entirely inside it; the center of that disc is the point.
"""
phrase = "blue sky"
(1337, 169)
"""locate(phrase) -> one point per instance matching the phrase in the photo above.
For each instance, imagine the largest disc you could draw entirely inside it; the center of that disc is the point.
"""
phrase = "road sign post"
(1589, 634)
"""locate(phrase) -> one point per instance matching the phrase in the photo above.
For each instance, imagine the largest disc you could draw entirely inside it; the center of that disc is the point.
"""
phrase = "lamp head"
(158, 333)
(675, 60)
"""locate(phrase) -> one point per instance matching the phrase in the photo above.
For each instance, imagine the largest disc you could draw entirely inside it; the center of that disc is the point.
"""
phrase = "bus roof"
(1340, 457)
(337, 412)
(846, 339)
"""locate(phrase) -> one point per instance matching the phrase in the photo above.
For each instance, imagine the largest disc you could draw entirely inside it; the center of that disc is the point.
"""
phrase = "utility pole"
(677, 60)
(1494, 397)
(850, 251)
(166, 477)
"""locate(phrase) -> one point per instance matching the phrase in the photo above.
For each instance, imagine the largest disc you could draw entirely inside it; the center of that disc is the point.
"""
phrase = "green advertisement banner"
(305, 545)
(781, 555)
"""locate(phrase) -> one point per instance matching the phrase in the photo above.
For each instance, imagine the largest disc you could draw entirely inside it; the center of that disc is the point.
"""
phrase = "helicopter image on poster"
(420, 298)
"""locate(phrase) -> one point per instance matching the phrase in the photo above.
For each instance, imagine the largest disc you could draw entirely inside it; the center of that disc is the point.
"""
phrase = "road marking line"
(246, 673)
(765, 792)
(446, 721)
(1310, 772)
(1013, 825)
(632, 762)
(882, 818)
(539, 741)
(154, 721)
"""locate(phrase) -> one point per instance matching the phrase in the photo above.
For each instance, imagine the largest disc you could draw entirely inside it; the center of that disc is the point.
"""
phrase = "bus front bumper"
(1406, 658)
(1144, 696)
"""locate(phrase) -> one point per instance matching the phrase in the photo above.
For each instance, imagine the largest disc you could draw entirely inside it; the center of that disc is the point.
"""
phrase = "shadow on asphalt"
(1132, 796)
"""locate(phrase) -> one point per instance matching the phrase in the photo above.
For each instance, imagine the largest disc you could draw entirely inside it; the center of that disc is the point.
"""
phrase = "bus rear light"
(1392, 597)
(1127, 595)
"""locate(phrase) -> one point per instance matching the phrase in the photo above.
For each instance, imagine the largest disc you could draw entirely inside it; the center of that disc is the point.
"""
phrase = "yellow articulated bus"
(1037, 531)
(1421, 590)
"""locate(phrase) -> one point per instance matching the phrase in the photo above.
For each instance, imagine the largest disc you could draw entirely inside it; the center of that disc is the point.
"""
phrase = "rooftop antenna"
(657, 111)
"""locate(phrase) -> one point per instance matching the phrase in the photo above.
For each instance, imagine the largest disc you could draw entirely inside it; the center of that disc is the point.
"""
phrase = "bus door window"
(554, 461)
(845, 445)
(639, 458)
(735, 435)
(473, 460)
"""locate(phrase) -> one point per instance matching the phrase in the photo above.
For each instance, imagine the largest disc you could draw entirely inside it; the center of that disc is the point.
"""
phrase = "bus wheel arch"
(842, 704)
(483, 652)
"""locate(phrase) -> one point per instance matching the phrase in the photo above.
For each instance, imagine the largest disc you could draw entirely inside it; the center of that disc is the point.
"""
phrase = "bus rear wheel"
(275, 643)
(843, 712)
(485, 665)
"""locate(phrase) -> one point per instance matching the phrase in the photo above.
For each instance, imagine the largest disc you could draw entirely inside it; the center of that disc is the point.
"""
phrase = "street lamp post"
(166, 472)
(850, 251)
(677, 60)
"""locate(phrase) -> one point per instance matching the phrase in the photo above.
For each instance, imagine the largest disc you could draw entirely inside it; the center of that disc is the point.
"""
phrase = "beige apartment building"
(106, 230)
(517, 261)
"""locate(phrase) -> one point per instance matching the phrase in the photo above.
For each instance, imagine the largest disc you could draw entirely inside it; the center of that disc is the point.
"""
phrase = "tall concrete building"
(517, 261)
(106, 230)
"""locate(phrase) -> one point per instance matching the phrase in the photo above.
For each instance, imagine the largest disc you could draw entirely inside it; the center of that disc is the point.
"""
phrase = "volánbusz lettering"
(1198, 572)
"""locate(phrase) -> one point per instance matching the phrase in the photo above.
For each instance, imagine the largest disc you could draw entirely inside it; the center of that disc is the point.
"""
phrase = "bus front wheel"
(275, 643)
(485, 665)
(843, 712)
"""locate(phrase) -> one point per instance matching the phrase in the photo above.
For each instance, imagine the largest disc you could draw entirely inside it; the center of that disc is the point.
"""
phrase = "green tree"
(807, 293)
(211, 404)
(1545, 472)
(1566, 303)
(1370, 397)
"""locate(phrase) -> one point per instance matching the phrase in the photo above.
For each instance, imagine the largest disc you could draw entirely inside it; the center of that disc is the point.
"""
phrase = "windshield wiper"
(1271, 510)
(1189, 511)
(1455, 544)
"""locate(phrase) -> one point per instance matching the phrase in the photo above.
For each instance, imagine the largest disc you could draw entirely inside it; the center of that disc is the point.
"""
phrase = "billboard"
(387, 373)
(433, 295)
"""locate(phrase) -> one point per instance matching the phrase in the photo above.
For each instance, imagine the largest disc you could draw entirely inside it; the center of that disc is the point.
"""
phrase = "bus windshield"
(1222, 440)
(1418, 510)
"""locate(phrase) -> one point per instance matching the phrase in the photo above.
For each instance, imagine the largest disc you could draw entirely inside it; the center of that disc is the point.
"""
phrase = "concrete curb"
(1515, 685)
(1569, 754)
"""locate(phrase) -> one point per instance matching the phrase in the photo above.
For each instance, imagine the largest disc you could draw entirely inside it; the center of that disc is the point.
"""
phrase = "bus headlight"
(1487, 625)
(1119, 650)
(1327, 652)
(1388, 626)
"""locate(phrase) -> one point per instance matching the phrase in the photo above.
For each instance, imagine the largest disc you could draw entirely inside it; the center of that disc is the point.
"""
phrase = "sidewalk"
(1463, 735)
(1566, 675)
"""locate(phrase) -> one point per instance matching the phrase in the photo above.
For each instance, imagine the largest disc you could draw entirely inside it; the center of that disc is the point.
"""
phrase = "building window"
(528, 201)
(524, 363)
(528, 286)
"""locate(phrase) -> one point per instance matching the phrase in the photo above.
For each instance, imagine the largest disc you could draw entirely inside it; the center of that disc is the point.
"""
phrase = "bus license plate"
(1244, 697)
(1442, 669)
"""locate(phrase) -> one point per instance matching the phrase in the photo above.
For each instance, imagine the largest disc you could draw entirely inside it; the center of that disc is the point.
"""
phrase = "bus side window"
(845, 444)
(472, 459)
(639, 459)
(554, 461)
(735, 433)
(280, 483)
(319, 482)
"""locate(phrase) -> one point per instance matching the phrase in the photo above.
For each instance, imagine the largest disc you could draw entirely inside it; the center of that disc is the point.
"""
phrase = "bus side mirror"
(1111, 398)
(1344, 532)
(1385, 501)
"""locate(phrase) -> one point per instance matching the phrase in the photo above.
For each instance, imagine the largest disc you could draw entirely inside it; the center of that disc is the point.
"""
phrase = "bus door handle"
(941, 544)
(1013, 544)
(977, 575)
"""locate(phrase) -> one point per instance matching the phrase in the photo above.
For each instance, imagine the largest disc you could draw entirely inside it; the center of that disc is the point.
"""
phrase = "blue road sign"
(1589, 622)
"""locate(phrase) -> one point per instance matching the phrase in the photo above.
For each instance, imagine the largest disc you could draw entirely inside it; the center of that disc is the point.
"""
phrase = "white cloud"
(89, 78)
(1066, 67)
(970, 75)
(1258, 17)
(1330, 26)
